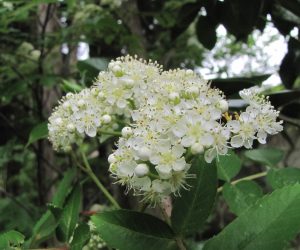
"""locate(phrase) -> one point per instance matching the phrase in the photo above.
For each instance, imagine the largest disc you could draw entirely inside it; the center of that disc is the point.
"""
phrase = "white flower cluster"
(173, 114)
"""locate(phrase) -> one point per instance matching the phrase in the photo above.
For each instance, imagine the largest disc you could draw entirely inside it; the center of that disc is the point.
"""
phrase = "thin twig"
(250, 177)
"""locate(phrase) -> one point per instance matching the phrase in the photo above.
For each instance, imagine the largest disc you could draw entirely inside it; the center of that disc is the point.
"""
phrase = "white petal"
(179, 164)
(91, 131)
(261, 137)
(209, 155)
(187, 141)
(237, 141)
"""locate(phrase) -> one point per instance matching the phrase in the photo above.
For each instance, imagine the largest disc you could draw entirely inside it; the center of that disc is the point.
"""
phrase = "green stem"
(87, 168)
(247, 178)
(153, 175)
(105, 132)
(178, 239)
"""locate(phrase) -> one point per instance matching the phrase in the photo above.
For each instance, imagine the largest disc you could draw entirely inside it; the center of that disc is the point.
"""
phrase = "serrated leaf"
(283, 177)
(193, 206)
(81, 237)
(10, 239)
(266, 156)
(228, 166)
(270, 223)
(40, 131)
(69, 216)
(131, 230)
(242, 195)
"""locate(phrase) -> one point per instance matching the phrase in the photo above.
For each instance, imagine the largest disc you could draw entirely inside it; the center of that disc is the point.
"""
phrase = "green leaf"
(47, 224)
(81, 237)
(269, 224)
(193, 206)
(10, 239)
(69, 216)
(265, 156)
(71, 86)
(64, 187)
(228, 166)
(233, 85)
(90, 68)
(131, 230)
(242, 195)
(40, 131)
(206, 32)
(283, 97)
(279, 178)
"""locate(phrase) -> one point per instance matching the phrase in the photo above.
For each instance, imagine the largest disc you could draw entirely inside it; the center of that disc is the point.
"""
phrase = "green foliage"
(266, 156)
(228, 166)
(11, 240)
(47, 224)
(269, 224)
(69, 215)
(279, 178)
(40, 131)
(128, 230)
(242, 195)
(194, 205)
(81, 237)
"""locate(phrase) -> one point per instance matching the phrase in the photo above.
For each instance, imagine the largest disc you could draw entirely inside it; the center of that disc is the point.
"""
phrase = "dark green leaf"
(47, 223)
(64, 187)
(10, 239)
(242, 195)
(206, 32)
(233, 85)
(278, 178)
(69, 216)
(266, 156)
(240, 17)
(40, 131)
(193, 206)
(290, 64)
(269, 224)
(91, 67)
(130, 230)
(228, 166)
(283, 97)
(81, 237)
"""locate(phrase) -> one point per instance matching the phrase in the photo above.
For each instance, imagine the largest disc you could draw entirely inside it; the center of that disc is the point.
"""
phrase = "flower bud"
(106, 119)
(126, 131)
(100, 95)
(141, 170)
(70, 127)
(223, 105)
(189, 72)
(69, 95)
(173, 96)
(81, 103)
(66, 105)
(111, 158)
(58, 121)
(197, 148)
(193, 90)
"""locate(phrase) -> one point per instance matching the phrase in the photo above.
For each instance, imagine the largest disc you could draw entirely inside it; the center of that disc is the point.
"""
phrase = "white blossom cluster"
(172, 114)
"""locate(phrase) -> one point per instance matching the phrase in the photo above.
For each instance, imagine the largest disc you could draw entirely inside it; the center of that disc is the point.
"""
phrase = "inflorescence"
(172, 115)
